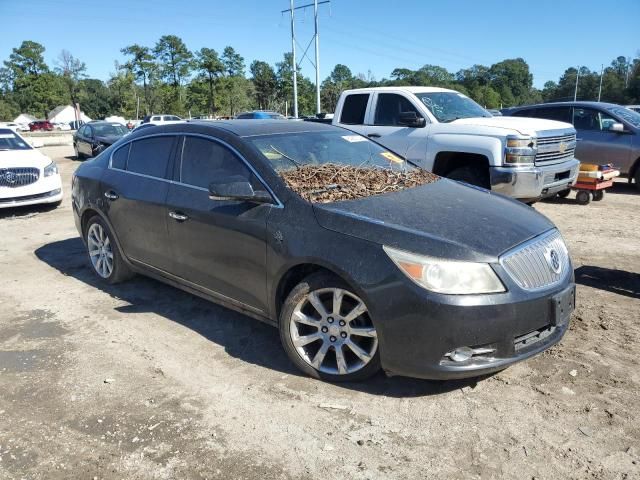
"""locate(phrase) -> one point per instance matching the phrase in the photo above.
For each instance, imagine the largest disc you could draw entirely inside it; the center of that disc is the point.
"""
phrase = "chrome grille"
(531, 264)
(551, 149)
(18, 177)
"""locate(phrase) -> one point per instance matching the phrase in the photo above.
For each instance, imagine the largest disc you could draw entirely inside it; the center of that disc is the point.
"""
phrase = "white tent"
(24, 119)
(116, 119)
(65, 114)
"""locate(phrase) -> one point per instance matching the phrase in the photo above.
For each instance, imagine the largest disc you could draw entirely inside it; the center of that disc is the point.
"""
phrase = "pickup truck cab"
(447, 133)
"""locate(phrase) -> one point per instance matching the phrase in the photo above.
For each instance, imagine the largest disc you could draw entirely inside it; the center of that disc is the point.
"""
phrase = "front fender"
(489, 147)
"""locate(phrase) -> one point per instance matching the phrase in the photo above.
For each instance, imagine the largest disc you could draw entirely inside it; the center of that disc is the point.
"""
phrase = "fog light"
(461, 354)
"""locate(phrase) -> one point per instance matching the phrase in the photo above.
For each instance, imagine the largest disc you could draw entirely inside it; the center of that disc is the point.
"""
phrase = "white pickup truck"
(447, 133)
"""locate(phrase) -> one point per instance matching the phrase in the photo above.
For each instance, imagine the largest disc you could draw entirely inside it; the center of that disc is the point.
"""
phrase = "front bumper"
(421, 328)
(533, 183)
(45, 190)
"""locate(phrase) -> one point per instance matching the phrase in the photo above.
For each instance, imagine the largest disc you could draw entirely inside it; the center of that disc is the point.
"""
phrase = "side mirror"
(617, 127)
(411, 119)
(241, 190)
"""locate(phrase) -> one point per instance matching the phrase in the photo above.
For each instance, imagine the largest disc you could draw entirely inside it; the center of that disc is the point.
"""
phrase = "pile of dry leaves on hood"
(331, 183)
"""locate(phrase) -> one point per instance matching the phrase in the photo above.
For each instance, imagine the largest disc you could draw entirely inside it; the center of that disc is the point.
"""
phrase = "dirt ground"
(143, 381)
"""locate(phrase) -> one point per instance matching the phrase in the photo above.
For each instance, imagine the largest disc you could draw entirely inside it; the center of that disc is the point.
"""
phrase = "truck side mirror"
(411, 119)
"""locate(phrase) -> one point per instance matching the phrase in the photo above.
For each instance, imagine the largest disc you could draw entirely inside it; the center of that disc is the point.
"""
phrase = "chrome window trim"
(278, 203)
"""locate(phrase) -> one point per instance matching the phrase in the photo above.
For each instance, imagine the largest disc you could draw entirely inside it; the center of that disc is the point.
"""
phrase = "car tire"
(324, 307)
(598, 195)
(104, 255)
(636, 177)
(472, 175)
(564, 193)
(583, 197)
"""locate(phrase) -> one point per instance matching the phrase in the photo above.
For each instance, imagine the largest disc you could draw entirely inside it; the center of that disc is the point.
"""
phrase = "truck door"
(384, 126)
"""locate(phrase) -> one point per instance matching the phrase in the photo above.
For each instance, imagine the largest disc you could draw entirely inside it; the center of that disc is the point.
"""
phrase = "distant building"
(65, 114)
(24, 119)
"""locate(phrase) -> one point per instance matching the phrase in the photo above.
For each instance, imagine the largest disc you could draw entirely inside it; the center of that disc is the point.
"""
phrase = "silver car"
(607, 133)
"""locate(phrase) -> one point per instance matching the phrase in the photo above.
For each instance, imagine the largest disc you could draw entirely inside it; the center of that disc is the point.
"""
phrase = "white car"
(62, 126)
(27, 177)
(16, 127)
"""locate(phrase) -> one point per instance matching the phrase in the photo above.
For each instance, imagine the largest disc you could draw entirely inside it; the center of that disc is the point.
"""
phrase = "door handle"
(180, 217)
(374, 135)
(111, 195)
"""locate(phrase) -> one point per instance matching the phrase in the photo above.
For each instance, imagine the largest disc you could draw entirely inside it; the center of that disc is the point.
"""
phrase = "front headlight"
(50, 169)
(520, 151)
(446, 276)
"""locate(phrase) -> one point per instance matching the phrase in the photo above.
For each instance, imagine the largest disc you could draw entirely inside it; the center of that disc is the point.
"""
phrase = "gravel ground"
(141, 380)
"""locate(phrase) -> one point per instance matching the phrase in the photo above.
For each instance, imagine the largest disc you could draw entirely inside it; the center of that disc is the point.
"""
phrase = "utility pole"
(575, 93)
(315, 16)
(294, 65)
(600, 88)
(294, 41)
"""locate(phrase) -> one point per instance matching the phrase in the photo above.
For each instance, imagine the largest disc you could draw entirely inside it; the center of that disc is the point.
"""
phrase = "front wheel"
(583, 197)
(327, 332)
(104, 254)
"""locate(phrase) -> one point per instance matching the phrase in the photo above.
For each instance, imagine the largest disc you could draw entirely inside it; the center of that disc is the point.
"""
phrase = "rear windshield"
(10, 141)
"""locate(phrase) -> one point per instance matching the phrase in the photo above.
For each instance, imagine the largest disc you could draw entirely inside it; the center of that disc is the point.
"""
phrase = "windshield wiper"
(295, 162)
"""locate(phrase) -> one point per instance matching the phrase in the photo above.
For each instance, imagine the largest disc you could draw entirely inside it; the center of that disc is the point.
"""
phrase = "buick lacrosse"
(360, 259)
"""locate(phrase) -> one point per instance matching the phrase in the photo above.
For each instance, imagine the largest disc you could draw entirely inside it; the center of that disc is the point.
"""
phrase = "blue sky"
(376, 35)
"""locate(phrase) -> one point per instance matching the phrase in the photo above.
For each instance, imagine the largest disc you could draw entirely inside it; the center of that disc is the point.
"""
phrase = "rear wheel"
(598, 195)
(104, 255)
(471, 175)
(636, 177)
(327, 332)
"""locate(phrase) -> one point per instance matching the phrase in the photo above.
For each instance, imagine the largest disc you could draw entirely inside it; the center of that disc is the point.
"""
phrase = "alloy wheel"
(331, 330)
(100, 251)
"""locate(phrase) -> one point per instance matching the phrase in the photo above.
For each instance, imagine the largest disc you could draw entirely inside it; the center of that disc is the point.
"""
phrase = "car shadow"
(241, 336)
(623, 187)
(615, 281)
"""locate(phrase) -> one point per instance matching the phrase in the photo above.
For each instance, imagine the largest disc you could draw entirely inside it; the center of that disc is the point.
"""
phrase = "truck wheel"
(583, 197)
(564, 193)
(598, 195)
(471, 175)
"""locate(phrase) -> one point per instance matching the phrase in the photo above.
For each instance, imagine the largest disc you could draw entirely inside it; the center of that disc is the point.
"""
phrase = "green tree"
(265, 83)
(142, 65)
(210, 67)
(233, 62)
(72, 71)
(27, 59)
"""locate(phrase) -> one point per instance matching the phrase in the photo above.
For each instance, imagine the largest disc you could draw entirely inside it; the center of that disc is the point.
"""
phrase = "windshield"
(10, 141)
(627, 115)
(294, 150)
(450, 106)
(109, 129)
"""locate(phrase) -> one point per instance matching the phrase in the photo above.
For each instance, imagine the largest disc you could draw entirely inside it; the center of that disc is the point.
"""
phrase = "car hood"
(523, 125)
(23, 158)
(108, 139)
(443, 219)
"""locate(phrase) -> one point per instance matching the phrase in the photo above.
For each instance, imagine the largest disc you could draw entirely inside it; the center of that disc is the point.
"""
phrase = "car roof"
(6, 130)
(567, 104)
(401, 88)
(251, 128)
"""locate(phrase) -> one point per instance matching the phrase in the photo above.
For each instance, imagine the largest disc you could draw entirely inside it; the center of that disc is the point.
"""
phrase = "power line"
(294, 41)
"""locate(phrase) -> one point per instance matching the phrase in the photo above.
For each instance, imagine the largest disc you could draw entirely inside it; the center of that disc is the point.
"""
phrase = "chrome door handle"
(180, 217)
(111, 195)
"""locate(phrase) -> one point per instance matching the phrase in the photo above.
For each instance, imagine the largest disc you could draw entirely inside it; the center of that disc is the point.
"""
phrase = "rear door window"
(206, 161)
(561, 114)
(150, 156)
(354, 109)
(388, 109)
(119, 158)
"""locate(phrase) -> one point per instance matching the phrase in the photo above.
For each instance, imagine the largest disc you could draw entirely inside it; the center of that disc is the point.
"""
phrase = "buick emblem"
(10, 177)
(553, 259)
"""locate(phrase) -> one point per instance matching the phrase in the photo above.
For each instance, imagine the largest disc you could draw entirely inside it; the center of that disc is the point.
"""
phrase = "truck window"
(389, 107)
(354, 109)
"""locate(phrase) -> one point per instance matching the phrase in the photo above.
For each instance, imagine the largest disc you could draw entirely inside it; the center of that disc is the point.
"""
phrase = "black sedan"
(439, 280)
(93, 137)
